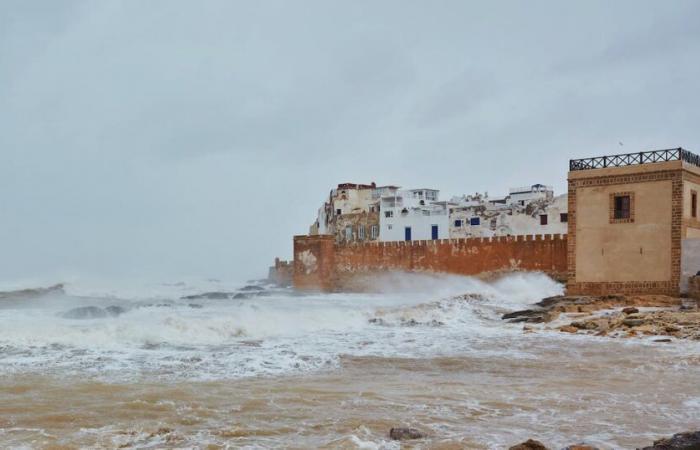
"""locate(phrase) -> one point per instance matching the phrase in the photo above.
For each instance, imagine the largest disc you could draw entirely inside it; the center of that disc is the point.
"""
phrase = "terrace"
(630, 159)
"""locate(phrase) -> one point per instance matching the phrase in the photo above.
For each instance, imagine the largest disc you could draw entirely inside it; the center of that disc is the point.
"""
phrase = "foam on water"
(161, 335)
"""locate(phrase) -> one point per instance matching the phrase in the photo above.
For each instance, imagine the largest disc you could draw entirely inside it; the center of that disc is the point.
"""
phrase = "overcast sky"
(170, 139)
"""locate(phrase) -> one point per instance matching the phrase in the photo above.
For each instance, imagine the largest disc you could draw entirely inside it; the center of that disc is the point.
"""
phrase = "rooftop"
(630, 159)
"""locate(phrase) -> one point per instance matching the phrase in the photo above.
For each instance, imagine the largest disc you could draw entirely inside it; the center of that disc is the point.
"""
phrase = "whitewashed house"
(525, 211)
(413, 214)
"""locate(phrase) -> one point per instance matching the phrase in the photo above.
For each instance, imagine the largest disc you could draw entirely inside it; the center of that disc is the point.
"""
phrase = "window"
(389, 227)
(388, 214)
(564, 217)
(348, 233)
(622, 207)
(361, 232)
(374, 231)
(474, 221)
(543, 219)
(693, 204)
(458, 223)
(337, 211)
(426, 212)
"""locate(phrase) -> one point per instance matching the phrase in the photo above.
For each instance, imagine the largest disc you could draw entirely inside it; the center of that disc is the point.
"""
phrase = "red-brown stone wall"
(546, 253)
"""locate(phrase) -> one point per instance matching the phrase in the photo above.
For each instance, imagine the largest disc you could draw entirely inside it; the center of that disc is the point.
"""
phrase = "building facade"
(633, 223)
(351, 213)
(525, 211)
(413, 214)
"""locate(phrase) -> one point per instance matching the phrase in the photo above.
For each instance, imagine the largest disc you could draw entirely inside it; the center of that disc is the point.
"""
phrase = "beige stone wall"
(636, 251)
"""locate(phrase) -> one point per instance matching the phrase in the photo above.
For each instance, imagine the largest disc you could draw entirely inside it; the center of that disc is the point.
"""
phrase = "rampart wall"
(321, 264)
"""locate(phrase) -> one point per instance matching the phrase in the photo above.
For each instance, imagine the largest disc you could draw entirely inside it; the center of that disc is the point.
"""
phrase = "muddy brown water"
(608, 393)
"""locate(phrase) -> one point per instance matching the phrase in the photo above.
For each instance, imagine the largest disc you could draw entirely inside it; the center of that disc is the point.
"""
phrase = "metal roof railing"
(630, 159)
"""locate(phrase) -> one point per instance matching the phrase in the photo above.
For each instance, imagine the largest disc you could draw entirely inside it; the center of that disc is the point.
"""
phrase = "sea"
(216, 364)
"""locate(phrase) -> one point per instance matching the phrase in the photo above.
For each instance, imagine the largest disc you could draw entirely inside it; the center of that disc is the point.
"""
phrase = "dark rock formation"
(25, 294)
(680, 441)
(85, 312)
(402, 433)
(530, 444)
(549, 308)
(216, 295)
(115, 310)
(251, 287)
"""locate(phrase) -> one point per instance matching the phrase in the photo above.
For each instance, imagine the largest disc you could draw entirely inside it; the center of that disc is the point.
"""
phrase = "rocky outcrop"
(678, 324)
(404, 433)
(551, 307)
(615, 316)
(680, 441)
(93, 312)
(530, 444)
(26, 294)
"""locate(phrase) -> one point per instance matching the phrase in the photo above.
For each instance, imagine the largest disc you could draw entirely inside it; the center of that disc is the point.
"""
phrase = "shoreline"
(614, 316)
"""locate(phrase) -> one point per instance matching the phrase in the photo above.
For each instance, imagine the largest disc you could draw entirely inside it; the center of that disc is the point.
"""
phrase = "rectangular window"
(361, 232)
(622, 207)
(388, 214)
(543, 219)
(337, 211)
(458, 223)
(389, 227)
(374, 231)
(693, 204)
(407, 233)
(564, 217)
(474, 221)
(348, 233)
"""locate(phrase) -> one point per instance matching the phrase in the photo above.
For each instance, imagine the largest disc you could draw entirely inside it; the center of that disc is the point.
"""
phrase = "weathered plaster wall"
(314, 262)
(458, 256)
(635, 251)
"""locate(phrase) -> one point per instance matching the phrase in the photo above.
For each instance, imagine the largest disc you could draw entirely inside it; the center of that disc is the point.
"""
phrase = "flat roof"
(630, 159)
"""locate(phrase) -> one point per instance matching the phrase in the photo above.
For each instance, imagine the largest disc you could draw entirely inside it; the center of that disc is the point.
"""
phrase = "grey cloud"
(176, 138)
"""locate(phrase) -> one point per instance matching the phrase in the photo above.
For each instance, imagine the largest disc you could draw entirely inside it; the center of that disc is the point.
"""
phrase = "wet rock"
(568, 329)
(680, 441)
(526, 315)
(404, 433)
(376, 321)
(26, 294)
(662, 340)
(85, 312)
(241, 296)
(195, 305)
(251, 287)
(633, 322)
(630, 310)
(581, 446)
(115, 310)
(530, 444)
(216, 295)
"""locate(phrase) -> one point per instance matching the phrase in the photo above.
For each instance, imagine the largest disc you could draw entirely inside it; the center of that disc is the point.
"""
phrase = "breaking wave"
(211, 331)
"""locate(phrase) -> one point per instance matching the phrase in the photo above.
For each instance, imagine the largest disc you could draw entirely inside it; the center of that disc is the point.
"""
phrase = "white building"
(528, 194)
(525, 211)
(413, 214)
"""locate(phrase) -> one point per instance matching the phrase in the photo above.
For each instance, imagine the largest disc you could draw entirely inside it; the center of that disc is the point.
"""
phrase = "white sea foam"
(161, 334)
